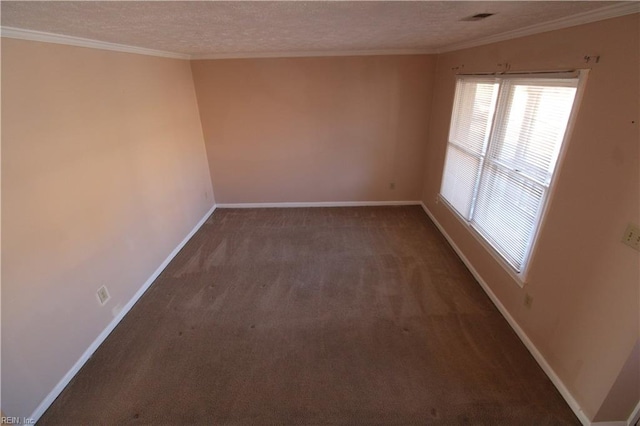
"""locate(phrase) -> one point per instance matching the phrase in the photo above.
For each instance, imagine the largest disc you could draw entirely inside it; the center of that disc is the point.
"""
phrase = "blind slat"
(506, 211)
(473, 112)
(459, 180)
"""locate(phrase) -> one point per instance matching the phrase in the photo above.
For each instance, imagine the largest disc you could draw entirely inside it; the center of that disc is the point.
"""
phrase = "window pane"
(531, 129)
(472, 113)
(459, 179)
(506, 212)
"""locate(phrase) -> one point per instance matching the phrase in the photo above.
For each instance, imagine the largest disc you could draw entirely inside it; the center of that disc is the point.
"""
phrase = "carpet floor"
(313, 316)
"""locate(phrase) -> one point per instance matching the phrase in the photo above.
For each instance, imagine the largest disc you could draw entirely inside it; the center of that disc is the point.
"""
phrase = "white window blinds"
(504, 141)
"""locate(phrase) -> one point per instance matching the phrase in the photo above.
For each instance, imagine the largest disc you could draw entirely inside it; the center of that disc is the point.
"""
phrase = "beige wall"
(103, 175)
(315, 129)
(584, 282)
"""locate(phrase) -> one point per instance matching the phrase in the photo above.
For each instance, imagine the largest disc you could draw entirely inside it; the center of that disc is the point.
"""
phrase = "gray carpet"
(320, 316)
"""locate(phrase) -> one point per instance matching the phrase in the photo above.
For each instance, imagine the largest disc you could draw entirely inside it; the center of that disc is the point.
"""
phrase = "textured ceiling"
(218, 28)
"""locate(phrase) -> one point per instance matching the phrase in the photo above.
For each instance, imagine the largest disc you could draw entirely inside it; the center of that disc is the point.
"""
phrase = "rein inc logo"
(5, 420)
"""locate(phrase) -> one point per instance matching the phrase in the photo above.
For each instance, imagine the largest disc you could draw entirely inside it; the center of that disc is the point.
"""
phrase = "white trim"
(313, 53)
(600, 14)
(618, 423)
(555, 379)
(635, 416)
(317, 204)
(48, 400)
(45, 37)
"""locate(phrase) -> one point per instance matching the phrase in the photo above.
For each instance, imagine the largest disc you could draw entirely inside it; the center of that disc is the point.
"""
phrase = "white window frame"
(521, 276)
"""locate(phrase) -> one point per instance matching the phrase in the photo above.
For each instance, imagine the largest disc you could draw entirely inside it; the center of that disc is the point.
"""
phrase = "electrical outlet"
(632, 237)
(392, 185)
(528, 300)
(103, 295)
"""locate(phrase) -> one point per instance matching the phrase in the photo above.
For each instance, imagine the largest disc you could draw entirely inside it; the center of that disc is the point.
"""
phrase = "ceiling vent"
(478, 17)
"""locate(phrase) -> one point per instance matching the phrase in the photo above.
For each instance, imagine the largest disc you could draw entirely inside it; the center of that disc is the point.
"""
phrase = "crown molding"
(22, 34)
(312, 53)
(607, 12)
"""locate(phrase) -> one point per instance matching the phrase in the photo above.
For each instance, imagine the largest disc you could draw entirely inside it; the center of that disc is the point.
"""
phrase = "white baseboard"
(44, 405)
(317, 204)
(555, 379)
(620, 423)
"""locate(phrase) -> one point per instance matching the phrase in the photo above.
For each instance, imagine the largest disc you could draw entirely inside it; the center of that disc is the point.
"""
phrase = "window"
(505, 138)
